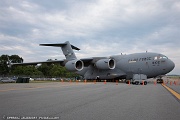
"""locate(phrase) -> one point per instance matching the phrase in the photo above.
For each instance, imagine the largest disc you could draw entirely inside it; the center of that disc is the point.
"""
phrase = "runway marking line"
(36, 87)
(177, 95)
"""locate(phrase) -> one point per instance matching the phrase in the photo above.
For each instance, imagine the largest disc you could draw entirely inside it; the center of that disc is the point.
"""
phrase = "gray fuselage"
(150, 64)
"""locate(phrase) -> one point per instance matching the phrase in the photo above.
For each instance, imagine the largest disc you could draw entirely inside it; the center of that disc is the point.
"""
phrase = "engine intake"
(74, 65)
(105, 64)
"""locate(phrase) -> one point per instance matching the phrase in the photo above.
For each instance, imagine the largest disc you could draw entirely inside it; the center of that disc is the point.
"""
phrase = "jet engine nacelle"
(105, 64)
(74, 65)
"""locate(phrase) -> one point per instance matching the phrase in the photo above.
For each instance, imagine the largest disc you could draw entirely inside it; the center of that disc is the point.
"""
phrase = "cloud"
(98, 27)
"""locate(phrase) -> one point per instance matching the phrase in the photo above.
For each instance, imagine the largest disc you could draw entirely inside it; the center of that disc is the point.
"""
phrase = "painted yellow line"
(172, 91)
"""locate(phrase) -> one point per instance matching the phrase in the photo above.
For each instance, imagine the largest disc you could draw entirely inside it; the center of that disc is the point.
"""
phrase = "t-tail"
(72, 63)
(67, 49)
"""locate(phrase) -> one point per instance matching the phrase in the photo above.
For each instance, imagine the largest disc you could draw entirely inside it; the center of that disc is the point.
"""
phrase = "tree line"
(44, 70)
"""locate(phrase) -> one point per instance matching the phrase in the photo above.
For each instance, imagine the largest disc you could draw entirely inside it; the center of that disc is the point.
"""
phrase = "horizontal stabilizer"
(67, 49)
(60, 45)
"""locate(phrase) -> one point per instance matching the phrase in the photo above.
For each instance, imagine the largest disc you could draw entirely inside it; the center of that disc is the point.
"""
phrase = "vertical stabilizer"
(67, 49)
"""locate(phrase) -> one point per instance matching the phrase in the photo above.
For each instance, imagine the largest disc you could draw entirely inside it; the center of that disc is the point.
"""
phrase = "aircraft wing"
(88, 61)
(35, 63)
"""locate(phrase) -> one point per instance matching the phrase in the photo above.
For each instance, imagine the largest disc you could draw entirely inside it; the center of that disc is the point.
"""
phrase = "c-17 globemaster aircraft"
(112, 67)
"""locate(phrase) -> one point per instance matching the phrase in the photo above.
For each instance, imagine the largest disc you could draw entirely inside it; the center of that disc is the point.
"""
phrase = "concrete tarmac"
(87, 101)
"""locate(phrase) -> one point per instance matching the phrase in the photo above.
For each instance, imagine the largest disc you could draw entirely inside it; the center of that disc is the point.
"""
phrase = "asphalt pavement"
(87, 101)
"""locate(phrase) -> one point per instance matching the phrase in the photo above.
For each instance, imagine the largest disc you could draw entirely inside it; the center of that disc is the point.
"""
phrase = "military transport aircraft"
(112, 67)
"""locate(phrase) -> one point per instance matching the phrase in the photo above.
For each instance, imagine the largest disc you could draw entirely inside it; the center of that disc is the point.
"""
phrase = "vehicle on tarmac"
(31, 79)
(139, 79)
(7, 80)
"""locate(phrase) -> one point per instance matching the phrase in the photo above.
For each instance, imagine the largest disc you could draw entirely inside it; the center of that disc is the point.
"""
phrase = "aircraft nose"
(171, 65)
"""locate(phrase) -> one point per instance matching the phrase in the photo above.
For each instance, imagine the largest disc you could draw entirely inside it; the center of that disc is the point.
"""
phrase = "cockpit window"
(165, 57)
(155, 58)
(160, 57)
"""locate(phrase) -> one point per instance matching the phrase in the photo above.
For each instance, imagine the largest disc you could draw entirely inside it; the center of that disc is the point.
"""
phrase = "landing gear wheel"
(136, 83)
(145, 83)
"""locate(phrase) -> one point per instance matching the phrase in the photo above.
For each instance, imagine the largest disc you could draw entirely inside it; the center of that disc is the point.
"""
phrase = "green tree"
(3, 65)
(15, 59)
(44, 68)
(26, 70)
(5, 59)
(57, 71)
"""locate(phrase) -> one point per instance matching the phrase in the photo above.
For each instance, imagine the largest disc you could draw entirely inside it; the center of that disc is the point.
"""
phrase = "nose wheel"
(159, 80)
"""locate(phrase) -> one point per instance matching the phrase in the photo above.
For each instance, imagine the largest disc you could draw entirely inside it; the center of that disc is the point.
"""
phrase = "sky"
(97, 27)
